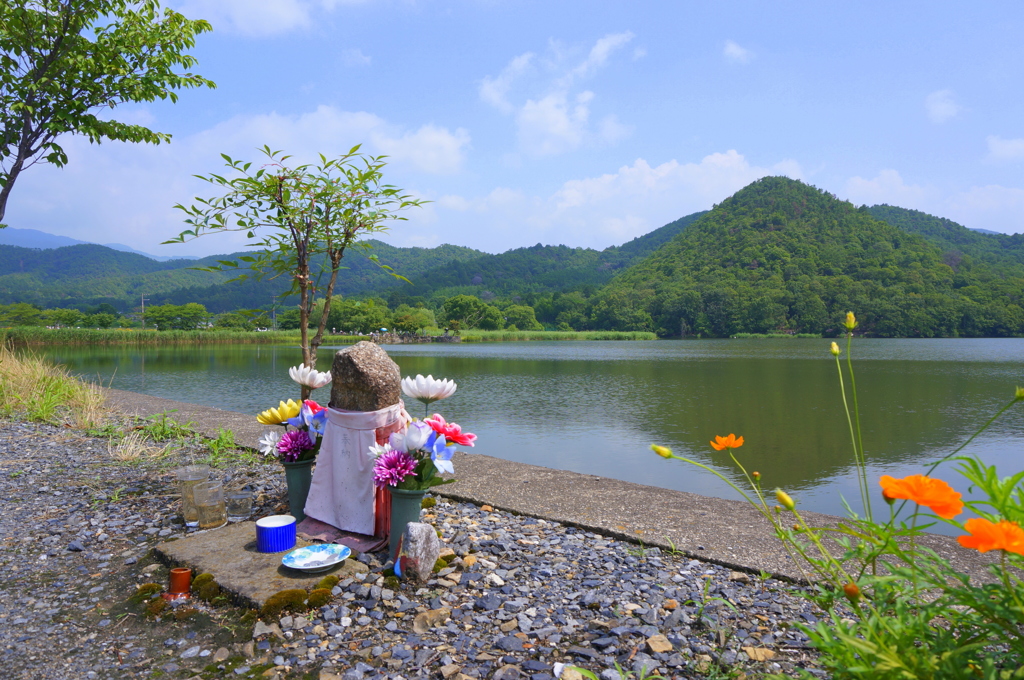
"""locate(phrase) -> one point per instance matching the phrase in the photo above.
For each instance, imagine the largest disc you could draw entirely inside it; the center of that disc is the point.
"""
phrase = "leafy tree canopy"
(62, 61)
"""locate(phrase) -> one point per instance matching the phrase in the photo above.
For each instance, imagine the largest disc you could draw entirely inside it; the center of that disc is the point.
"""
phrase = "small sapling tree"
(300, 220)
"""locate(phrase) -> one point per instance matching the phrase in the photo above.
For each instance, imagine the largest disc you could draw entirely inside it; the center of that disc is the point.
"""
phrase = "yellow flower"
(851, 321)
(784, 500)
(834, 349)
(1019, 394)
(276, 416)
(662, 451)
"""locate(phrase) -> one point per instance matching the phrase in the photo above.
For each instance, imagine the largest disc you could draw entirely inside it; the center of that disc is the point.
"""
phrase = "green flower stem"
(858, 450)
(762, 507)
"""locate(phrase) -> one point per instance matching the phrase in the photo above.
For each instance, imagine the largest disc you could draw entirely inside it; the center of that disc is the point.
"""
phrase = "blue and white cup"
(275, 533)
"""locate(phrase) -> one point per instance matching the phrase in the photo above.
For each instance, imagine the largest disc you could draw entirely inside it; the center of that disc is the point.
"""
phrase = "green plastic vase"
(405, 508)
(298, 474)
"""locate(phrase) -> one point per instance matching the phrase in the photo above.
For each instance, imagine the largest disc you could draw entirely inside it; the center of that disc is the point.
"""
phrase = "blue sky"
(583, 123)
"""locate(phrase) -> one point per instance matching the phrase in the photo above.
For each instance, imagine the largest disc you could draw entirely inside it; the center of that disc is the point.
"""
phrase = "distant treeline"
(778, 257)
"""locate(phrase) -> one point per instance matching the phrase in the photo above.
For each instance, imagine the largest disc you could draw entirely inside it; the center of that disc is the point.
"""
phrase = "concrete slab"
(229, 553)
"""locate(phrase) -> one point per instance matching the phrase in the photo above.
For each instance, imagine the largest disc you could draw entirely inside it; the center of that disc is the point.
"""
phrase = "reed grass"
(44, 392)
(515, 336)
(27, 336)
(743, 336)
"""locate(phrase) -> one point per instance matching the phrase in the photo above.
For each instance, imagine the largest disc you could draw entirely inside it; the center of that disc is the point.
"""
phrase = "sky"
(579, 122)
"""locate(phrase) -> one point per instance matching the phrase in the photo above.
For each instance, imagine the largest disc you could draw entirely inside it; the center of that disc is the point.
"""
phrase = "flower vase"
(298, 474)
(405, 508)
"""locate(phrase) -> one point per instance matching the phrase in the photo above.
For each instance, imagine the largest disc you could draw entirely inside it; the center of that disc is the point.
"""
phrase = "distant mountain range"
(33, 238)
(777, 256)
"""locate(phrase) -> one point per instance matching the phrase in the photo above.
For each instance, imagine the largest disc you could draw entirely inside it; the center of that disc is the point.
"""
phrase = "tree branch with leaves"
(62, 61)
(301, 220)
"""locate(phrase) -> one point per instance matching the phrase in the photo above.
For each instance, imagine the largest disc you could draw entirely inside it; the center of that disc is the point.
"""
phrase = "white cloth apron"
(341, 493)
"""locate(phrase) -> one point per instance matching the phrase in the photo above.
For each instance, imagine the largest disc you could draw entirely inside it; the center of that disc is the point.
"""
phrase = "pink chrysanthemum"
(293, 444)
(392, 467)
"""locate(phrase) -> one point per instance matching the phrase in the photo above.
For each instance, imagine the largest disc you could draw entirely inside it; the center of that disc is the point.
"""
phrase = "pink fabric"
(342, 491)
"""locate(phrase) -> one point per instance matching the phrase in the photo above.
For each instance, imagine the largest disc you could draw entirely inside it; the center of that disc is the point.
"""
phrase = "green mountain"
(1003, 252)
(783, 256)
(536, 270)
(88, 274)
(84, 275)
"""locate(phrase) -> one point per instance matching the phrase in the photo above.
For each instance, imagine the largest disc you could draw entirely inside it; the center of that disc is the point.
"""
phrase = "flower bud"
(662, 451)
(852, 592)
(797, 528)
(784, 500)
(755, 474)
(888, 499)
(1019, 394)
(851, 321)
(834, 349)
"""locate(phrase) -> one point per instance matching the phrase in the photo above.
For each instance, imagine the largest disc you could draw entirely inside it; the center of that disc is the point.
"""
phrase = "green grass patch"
(24, 336)
(744, 336)
(517, 336)
(45, 392)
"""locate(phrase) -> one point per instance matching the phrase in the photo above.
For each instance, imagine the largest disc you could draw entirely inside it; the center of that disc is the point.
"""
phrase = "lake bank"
(37, 336)
(725, 532)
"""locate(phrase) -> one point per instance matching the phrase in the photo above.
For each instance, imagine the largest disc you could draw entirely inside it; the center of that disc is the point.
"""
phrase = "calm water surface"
(595, 407)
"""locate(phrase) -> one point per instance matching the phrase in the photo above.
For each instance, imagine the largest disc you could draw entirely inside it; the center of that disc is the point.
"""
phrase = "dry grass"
(41, 391)
(134, 446)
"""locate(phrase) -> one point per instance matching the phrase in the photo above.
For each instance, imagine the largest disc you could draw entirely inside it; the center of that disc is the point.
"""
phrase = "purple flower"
(293, 444)
(392, 467)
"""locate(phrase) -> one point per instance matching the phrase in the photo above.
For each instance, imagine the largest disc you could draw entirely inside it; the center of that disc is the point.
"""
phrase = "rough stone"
(420, 549)
(424, 621)
(364, 379)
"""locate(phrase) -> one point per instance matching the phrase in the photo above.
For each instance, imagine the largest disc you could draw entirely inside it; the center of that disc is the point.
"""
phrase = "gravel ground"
(523, 598)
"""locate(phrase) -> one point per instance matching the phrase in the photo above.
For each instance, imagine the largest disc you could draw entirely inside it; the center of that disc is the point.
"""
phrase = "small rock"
(424, 621)
(191, 652)
(659, 644)
(759, 653)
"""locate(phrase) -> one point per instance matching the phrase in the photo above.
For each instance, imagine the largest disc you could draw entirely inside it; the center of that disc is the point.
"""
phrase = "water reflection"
(595, 407)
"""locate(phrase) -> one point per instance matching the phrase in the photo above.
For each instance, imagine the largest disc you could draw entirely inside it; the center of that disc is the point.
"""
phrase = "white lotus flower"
(411, 438)
(378, 450)
(268, 443)
(428, 390)
(310, 377)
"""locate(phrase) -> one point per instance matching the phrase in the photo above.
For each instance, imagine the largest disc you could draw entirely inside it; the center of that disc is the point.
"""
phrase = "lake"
(595, 407)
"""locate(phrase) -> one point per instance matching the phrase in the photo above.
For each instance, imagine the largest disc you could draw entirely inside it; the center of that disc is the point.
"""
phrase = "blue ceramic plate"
(319, 557)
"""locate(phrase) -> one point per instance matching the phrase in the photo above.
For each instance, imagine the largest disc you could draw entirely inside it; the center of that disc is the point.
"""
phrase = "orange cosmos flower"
(986, 535)
(931, 493)
(730, 442)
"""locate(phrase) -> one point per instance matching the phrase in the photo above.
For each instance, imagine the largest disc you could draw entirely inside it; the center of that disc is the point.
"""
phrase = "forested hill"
(1004, 252)
(783, 256)
(79, 275)
(537, 269)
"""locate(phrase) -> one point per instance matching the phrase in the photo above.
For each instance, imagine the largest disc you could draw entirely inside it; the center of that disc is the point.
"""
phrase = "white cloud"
(495, 90)
(430, 149)
(553, 125)
(733, 52)
(128, 190)
(887, 187)
(355, 57)
(598, 56)
(1000, 149)
(941, 106)
(603, 210)
(552, 115)
(993, 207)
(257, 18)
